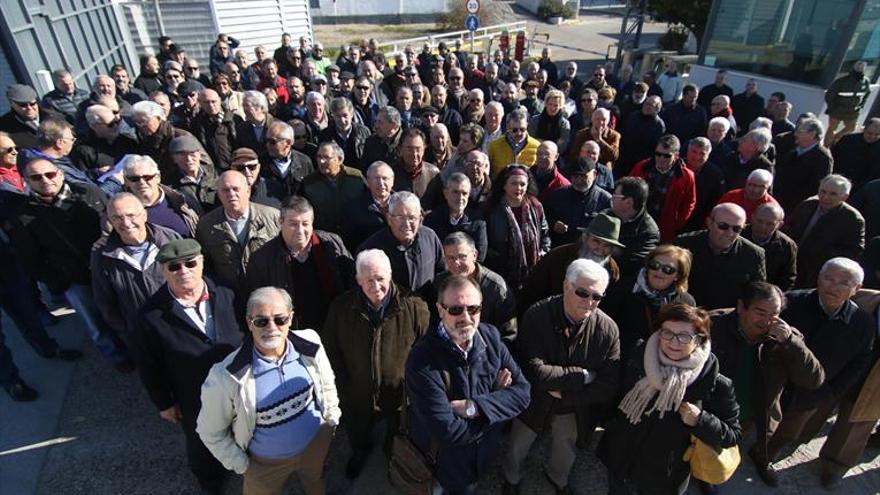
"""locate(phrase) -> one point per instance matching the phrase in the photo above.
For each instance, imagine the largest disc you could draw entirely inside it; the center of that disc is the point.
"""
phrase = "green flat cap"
(179, 249)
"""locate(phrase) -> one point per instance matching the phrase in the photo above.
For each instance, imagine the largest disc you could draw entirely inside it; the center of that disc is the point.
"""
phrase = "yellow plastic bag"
(709, 464)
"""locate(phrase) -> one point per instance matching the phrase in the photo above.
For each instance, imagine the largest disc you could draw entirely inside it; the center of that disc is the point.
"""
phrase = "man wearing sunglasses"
(723, 261)
(463, 386)
(368, 333)
(571, 355)
(246, 161)
(284, 167)
(53, 233)
(185, 327)
(516, 146)
(24, 116)
(165, 206)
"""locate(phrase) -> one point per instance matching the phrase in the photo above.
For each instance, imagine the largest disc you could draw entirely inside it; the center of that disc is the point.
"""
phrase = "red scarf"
(12, 176)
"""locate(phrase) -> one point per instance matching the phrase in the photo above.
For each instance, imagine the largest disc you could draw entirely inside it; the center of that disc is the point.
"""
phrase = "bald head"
(209, 101)
(725, 223)
(234, 193)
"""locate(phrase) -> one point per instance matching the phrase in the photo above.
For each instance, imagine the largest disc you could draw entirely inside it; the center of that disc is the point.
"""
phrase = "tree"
(692, 14)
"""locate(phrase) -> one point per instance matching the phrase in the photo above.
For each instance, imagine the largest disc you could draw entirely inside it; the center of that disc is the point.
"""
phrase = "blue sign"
(472, 23)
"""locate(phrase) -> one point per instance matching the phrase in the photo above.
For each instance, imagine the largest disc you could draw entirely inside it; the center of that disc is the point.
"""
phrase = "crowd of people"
(458, 247)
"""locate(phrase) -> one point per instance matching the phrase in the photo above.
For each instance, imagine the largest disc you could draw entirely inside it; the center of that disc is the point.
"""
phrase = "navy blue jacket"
(465, 448)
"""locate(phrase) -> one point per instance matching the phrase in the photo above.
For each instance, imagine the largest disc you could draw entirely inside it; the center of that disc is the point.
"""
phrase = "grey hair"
(457, 178)
(149, 108)
(722, 121)
(340, 104)
(477, 92)
(588, 269)
(337, 150)
(131, 161)
(761, 175)
(93, 112)
(257, 98)
(518, 115)
(761, 137)
(458, 238)
(603, 111)
(839, 181)
(312, 96)
(761, 122)
(391, 114)
(286, 129)
(724, 98)
(264, 295)
(369, 257)
(777, 210)
(403, 198)
(125, 195)
(104, 76)
(855, 271)
(813, 125)
(702, 143)
(497, 106)
(378, 164)
(440, 127)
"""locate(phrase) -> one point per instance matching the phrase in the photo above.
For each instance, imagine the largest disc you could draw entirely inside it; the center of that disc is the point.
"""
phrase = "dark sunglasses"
(666, 269)
(9, 149)
(242, 166)
(459, 310)
(177, 265)
(263, 321)
(662, 155)
(363, 88)
(48, 175)
(585, 294)
(139, 178)
(726, 226)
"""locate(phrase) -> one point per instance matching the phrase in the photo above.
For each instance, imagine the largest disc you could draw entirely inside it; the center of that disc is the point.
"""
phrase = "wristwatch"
(471, 409)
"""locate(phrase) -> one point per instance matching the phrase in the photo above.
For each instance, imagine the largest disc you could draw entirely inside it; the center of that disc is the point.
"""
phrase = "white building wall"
(329, 8)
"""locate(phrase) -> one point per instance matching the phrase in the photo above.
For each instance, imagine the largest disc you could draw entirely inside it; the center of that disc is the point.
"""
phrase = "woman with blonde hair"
(551, 124)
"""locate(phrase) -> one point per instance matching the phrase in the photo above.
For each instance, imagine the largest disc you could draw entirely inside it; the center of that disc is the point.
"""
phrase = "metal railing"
(488, 32)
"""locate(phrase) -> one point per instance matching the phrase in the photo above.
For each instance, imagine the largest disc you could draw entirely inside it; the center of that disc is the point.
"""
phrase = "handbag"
(410, 470)
(710, 464)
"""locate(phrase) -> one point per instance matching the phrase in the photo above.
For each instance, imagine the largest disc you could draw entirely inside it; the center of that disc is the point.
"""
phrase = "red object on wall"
(520, 46)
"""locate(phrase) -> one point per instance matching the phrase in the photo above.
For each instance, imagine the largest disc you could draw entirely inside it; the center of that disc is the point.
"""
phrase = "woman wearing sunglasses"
(673, 390)
(635, 302)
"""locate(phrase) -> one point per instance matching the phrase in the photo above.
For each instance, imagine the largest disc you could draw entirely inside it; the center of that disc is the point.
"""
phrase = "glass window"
(789, 39)
(865, 43)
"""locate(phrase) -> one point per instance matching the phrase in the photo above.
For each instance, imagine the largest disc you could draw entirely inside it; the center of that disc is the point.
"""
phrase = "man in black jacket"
(186, 326)
(748, 157)
(53, 234)
(384, 143)
(799, 171)
(23, 120)
(215, 128)
(857, 156)
(709, 182)
(571, 355)
(570, 209)
(639, 233)
(685, 119)
(747, 106)
(284, 168)
(780, 251)
(344, 131)
(639, 135)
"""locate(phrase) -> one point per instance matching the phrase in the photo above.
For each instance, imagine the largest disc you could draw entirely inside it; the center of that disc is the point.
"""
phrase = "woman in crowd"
(517, 228)
(673, 390)
(551, 124)
(232, 101)
(635, 301)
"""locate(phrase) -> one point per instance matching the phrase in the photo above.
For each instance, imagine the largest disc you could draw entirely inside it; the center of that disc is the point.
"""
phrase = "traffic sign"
(473, 6)
(472, 23)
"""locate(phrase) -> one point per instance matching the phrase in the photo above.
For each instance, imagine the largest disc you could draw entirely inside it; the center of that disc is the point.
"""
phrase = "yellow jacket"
(501, 155)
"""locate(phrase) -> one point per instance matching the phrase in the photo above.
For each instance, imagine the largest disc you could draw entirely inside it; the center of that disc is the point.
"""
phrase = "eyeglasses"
(139, 178)
(275, 140)
(406, 218)
(242, 166)
(666, 269)
(585, 294)
(172, 76)
(460, 309)
(516, 130)
(10, 149)
(263, 321)
(26, 103)
(663, 155)
(682, 338)
(175, 266)
(726, 226)
(48, 175)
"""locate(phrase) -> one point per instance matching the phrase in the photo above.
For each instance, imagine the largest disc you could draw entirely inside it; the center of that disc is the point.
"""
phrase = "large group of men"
(197, 213)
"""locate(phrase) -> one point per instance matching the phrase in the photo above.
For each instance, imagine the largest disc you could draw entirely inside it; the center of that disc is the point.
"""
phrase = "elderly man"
(755, 193)
(455, 214)
(191, 176)
(799, 171)
(708, 180)
(599, 131)
(840, 335)
(383, 145)
(124, 88)
(571, 355)
(251, 133)
(780, 251)
(165, 206)
(365, 215)
(246, 161)
(104, 144)
(183, 114)
(154, 133)
(232, 234)
(281, 368)
(499, 304)
(185, 327)
(723, 262)
(215, 128)
(368, 333)
(366, 109)
(494, 122)
(350, 135)
(449, 115)
(547, 175)
(722, 146)
(311, 265)
(639, 135)
(639, 233)
(857, 156)
(66, 97)
(412, 173)
(124, 265)
(762, 354)
(476, 167)
(685, 118)
(571, 208)
(597, 243)
(720, 107)
(672, 193)
(604, 177)
(53, 232)
(24, 116)
(104, 86)
(462, 388)
(415, 251)
(824, 227)
(283, 166)
(331, 187)
(516, 146)
(749, 156)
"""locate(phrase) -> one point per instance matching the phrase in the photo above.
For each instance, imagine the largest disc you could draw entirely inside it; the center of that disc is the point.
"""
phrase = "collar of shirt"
(343, 133)
(241, 219)
(199, 305)
(186, 179)
(289, 355)
(516, 147)
(282, 166)
(801, 151)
